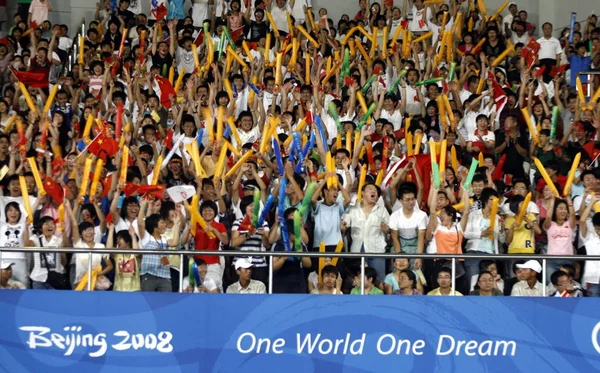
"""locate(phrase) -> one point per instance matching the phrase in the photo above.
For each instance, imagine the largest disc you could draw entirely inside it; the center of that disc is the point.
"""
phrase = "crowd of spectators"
(437, 127)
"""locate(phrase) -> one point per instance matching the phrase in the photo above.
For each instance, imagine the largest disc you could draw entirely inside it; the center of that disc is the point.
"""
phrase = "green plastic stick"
(472, 170)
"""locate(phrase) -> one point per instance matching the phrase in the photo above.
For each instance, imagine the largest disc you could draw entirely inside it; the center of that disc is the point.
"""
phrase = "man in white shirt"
(278, 12)
(245, 285)
(368, 223)
(530, 287)
(550, 50)
(298, 10)
(507, 20)
(185, 56)
(419, 23)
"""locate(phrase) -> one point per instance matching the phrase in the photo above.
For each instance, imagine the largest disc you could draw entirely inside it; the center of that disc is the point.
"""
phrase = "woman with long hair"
(127, 266)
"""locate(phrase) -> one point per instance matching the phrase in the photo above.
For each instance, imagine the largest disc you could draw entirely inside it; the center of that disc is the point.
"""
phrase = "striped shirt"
(151, 264)
(252, 243)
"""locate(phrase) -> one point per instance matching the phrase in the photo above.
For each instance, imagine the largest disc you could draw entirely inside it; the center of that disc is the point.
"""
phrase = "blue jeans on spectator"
(41, 285)
(376, 263)
(472, 265)
(593, 290)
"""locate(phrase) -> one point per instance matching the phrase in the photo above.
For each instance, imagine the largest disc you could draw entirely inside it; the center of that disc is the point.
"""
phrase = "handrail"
(271, 254)
(297, 254)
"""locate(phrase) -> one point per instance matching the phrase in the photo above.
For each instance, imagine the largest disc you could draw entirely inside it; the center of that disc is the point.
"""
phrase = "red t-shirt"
(560, 180)
(203, 242)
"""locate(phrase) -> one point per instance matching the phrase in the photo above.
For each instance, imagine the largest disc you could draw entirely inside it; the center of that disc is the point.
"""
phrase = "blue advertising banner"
(61, 331)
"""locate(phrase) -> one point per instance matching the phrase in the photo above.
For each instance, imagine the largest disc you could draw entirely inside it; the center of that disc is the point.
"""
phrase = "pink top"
(39, 11)
(560, 239)
(236, 21)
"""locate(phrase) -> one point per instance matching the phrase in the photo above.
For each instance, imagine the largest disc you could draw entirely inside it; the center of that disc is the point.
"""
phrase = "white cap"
(531, 264)
(6, 264)
(243, 263)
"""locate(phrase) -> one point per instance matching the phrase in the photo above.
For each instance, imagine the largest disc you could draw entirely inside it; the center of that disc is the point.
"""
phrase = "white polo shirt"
(549, 48)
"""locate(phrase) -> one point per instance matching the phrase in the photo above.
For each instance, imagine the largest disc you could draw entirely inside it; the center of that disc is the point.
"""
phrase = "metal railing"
(591, 81)
(271, 254)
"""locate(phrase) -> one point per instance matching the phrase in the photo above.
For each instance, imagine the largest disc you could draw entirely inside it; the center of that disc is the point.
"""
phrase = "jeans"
(593, 290)
(37, 285)
(472, 265)
(378, 264)
(153, 283)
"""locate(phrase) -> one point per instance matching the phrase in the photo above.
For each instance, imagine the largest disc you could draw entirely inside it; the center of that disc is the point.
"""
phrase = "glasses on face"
(520, 188)
(443, 277)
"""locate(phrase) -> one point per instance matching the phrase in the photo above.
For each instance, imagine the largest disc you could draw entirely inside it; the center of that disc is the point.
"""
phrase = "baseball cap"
(243, 263)
(531, 264)
(6, 264)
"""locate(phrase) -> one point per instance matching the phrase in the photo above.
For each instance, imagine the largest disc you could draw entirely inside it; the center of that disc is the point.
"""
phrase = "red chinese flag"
(423, 165)
(131, 189)
(103, 147)
(160, 12)
(540, 71)
(557, 70)
(166, 91)
(57, 165)
(498, 173)
(54, 190)
(308, 117)
(592, 148)
(32, 79)
(169, 139)
(534, 46)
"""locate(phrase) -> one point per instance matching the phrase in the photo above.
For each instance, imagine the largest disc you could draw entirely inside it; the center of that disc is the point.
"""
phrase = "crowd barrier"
(62, 331)
(271, 254)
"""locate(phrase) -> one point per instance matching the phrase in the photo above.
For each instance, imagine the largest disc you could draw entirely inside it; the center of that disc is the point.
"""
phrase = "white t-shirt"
(418, 23)
(209, 283)
(549, 48)
(507, 21)
(11, 236)
(489, 136)
(436, 29)
(124, 224)
(40, 271)
(523, 39)
(395, 24)
(81, 260)
(6, 200)
(394, 117)
(185, 59)
(280, 17)
(199, 12)
(408, 228)
(413, 105)
(298, 10)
